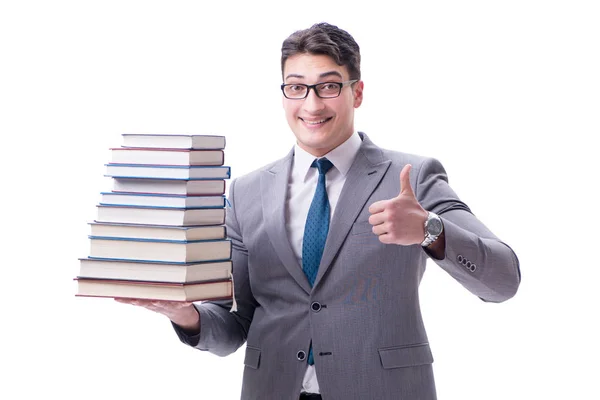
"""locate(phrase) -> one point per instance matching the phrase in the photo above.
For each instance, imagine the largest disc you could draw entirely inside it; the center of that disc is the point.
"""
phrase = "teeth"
(315, 122)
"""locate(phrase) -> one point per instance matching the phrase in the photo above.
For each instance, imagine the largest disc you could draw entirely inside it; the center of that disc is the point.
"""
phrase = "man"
(330, 244)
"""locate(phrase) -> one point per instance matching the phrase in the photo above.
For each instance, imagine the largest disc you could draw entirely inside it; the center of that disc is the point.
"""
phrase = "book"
(167, 171)
(161, 200)
(172, 141)
(138, 155)
(170, 186)
(158, 232)
(154, 271)
(192, 291)
(159, 250)
(160, 216)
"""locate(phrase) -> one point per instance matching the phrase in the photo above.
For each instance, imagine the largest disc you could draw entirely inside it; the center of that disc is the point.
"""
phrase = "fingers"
(155, 305)
(137, 302)
(378, 206)
(392, 219)
(386, 238)
(405, 187)
(380, 229)
(124, 300)
(377, 219)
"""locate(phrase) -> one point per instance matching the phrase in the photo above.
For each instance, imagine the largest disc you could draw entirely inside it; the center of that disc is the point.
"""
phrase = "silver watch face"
(434, 226)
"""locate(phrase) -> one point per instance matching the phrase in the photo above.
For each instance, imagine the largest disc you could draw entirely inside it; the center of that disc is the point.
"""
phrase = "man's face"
(320, 125)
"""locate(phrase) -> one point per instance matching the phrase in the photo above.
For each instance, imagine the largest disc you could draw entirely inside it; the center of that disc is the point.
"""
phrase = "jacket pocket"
(405, 356)
(252, 358)
(361, 227)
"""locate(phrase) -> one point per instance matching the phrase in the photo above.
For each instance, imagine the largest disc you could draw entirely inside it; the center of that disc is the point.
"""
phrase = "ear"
(358, 93)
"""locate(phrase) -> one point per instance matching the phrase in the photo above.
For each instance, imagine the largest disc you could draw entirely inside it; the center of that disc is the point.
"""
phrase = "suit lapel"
(364, 175)
(273, 186)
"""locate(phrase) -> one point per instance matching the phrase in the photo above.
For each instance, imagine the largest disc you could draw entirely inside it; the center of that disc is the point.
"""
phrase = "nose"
(313, 103)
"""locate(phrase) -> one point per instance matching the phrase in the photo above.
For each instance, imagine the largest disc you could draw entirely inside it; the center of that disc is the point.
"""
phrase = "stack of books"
(160, 232)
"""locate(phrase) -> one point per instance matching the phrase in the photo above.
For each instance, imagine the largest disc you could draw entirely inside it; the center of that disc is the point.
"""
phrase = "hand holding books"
(182, 313)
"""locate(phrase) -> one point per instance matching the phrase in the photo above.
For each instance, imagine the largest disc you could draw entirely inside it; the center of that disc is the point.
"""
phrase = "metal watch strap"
(429, 238)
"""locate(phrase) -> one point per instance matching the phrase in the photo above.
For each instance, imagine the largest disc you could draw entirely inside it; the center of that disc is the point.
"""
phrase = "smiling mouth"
(316, 123)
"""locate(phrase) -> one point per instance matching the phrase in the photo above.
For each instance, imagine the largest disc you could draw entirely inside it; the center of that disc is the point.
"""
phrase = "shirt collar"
(341, 157)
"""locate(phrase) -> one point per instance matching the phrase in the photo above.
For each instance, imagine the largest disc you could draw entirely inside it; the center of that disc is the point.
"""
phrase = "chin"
(314, 139)
(316, 148)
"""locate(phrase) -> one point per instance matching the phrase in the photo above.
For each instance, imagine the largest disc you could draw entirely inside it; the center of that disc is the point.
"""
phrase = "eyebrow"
(321, 76)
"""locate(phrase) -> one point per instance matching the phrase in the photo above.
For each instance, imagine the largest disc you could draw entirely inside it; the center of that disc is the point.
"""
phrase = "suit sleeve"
(222, 331)
(475, 257)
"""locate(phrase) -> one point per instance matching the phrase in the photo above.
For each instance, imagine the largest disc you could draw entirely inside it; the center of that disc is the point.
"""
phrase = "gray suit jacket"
(362, 314)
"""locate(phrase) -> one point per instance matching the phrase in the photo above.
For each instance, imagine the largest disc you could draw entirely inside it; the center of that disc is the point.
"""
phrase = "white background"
(505, 94)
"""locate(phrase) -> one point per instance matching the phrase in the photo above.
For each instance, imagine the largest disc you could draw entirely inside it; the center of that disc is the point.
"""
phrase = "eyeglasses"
(324, 90)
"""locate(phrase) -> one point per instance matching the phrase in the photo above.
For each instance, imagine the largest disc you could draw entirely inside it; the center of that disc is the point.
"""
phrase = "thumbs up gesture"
(400, 220)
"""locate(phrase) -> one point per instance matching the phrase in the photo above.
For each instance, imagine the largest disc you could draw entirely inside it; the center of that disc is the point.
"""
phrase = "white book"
(157, 232)
(170, 186)
(173, 141)
(159, 250)
(167, 171)
(154, 271)
(161, 216)
(137, 155)
(193, 291)
(161, 200)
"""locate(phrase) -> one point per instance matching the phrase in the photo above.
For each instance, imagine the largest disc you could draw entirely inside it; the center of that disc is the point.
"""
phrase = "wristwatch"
(433, 229)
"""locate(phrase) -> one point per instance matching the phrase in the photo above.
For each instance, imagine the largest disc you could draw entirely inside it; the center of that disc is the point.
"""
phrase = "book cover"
(193, 172)
(154, 271)
(169, 291)
(158, 232)
(183, 141)
(160, 216)
(173, 251)
(159, 200)
(188, 187)
(162, 156)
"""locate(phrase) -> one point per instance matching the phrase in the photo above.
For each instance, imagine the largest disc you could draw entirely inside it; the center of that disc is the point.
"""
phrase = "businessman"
(330, 244)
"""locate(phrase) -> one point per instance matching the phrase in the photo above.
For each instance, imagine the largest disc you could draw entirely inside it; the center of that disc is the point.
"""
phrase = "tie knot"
(323, 165)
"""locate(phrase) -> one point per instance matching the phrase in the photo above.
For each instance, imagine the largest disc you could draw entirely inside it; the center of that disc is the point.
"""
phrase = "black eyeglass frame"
(313, 87)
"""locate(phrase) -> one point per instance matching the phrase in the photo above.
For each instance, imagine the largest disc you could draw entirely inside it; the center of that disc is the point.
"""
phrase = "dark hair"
(324, 39)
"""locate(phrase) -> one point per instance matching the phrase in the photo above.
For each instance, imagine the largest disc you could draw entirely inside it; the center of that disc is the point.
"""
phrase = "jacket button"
(459, 259)
(316, 307)
(301, 355)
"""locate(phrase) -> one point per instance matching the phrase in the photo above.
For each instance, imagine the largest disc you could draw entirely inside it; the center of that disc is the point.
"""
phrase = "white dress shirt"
(302, 184)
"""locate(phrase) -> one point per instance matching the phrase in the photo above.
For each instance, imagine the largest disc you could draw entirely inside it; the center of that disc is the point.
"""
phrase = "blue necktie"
(316, 228)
